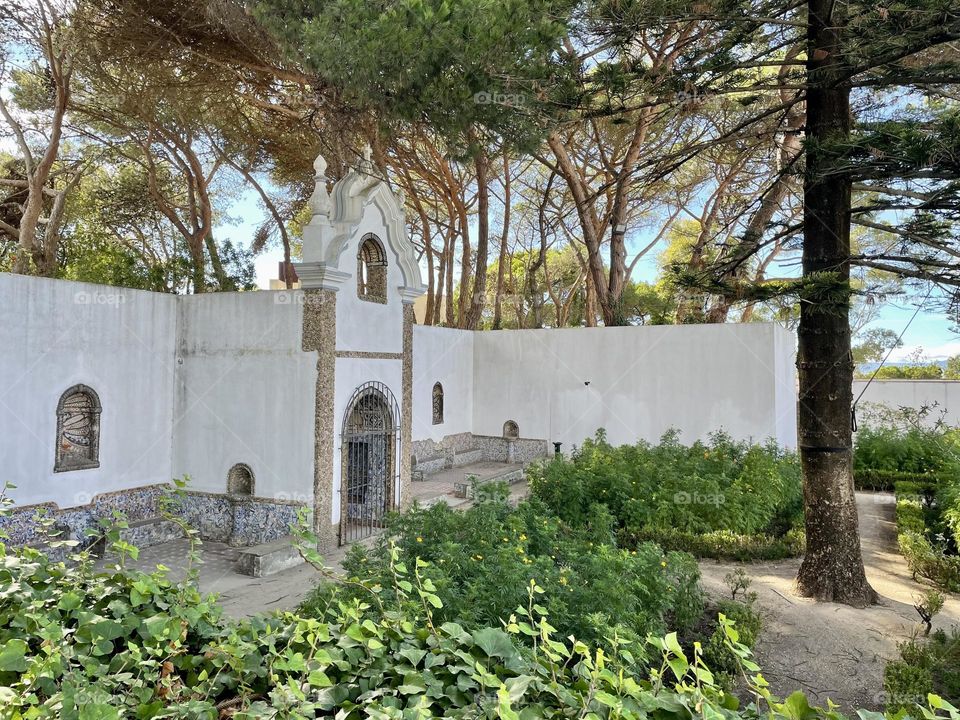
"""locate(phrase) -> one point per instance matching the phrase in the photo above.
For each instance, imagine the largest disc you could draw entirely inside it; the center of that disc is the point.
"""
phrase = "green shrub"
(716, 499)
(925, 666)
(948, 504)
(886, 480)
(82, 644)
(722, 544)
(481, 561)
(79, 644)
(926, 552)
(915, 451)
(716, 654)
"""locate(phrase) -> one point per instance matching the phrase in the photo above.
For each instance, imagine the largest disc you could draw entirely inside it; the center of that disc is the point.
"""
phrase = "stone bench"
(431, 465)
(468, 457)
(150, 531)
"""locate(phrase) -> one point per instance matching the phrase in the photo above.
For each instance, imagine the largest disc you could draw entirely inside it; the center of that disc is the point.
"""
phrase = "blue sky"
(930, 331)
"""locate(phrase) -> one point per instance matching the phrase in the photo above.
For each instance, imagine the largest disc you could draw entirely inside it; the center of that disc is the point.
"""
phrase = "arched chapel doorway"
(370, 461)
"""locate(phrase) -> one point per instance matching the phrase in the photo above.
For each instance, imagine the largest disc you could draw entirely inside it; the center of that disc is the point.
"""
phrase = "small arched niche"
(240, 480)
(511, 431)
(78, 430)
(437, 404)
(372, 270)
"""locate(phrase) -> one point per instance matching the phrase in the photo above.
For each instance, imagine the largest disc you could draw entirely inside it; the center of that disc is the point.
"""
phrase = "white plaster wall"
(351, 373)
(443, 355)
(363, 325)
(642, 381)
(55, 334)
(245, 392)
(785, 390)
(913, 394)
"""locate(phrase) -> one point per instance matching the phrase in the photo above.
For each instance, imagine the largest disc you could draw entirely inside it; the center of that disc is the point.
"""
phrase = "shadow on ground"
(830, 650)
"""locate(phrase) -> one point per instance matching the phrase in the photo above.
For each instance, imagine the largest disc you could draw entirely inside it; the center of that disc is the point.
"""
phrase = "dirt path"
(829, 650)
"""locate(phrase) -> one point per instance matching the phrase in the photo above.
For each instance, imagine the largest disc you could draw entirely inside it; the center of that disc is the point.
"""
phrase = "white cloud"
(927, 352)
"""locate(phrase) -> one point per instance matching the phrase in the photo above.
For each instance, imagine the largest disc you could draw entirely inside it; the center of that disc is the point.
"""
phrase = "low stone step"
(269, 558)
(454, 501)
(510, 478)
(464, 489)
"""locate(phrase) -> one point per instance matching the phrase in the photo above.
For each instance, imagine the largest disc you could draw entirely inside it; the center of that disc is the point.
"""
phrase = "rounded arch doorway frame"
(369, 461)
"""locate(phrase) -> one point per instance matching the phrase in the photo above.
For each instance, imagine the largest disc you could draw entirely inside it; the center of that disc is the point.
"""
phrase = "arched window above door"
(372, 270)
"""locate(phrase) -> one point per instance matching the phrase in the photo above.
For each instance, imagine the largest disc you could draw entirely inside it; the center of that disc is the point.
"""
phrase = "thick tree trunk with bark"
(832, 568)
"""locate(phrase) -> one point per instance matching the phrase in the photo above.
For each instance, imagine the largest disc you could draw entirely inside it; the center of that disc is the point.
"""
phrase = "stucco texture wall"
(55, 334)
(244, 393)
(941, 396)
(363, 325)
(636, 382)
(443, 355)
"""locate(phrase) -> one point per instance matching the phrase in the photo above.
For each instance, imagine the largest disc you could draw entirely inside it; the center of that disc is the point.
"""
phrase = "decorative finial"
(320, 167)
(320, 199)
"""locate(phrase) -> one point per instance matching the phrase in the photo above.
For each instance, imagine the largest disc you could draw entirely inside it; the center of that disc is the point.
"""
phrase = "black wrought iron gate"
(370, 461)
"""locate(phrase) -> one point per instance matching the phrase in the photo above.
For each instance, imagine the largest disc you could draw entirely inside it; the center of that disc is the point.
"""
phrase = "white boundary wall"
(635, 382)
(244, 393)
(120, 342)
(642, 382)
(193, 385)
(444, 355)
(913, 394)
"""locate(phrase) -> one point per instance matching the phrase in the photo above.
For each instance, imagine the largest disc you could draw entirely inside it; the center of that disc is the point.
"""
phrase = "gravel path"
(830, 650)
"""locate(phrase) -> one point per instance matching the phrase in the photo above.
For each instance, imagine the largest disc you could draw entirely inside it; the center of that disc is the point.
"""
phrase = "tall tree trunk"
(449, 248)
(441, 275)
(478, 295)
(832, 568)
(504, 237)
(591, 227)
(590, 301)
(224, 282)
(431, 286)
(198, 264)
(612, 303)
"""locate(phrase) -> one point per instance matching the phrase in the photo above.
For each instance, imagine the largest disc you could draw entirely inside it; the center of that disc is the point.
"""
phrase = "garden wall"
(914, 394)
(244, 393)
(118, 342)
(637, 382)
(198, 384)
(442, 355)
